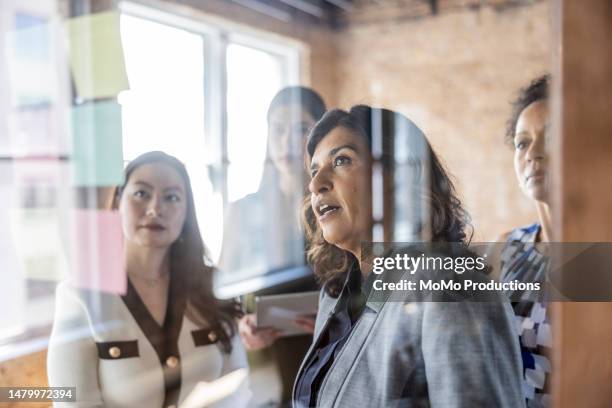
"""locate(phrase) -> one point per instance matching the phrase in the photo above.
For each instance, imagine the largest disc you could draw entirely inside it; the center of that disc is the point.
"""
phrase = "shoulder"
(66, 290)
(245, 203)
(489, 319)
(503, 237)
(524, 234)
(67, 293)
(517, 233)
(96, 305)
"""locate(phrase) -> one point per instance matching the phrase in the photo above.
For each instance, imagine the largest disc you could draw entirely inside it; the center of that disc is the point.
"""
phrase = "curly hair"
(431, 184)
(537, 90)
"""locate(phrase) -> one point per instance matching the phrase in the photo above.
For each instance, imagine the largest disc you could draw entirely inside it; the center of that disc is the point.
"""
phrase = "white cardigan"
(115, 354)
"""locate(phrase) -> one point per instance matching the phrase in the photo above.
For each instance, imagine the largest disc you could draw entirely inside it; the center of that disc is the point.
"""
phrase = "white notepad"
(279, 311)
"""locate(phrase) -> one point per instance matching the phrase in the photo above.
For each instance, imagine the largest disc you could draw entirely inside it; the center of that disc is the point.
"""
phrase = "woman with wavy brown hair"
(368, 351)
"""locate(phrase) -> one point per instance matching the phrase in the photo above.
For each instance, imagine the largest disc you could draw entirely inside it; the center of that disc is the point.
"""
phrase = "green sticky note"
(97, 144)
(96, 55)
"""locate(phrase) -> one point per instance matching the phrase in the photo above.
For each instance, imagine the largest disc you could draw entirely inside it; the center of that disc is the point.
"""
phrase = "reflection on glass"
(164, 108)
(249, 91)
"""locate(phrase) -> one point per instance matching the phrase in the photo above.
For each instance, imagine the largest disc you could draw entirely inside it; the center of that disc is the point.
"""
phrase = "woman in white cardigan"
(151, 346)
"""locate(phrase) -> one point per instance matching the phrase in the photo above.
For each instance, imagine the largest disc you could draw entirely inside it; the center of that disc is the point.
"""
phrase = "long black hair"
(190, 266)
(306, 98)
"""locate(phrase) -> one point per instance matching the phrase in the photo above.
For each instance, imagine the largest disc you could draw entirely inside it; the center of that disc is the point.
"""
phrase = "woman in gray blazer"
(370, 351)
(150, 346)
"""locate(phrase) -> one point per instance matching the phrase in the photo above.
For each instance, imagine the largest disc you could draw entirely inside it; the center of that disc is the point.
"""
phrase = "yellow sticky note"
(96, 55)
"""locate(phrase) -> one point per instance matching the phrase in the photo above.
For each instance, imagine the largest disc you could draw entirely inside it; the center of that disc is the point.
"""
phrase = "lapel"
(348, 356)
(327, 308)
(164, 338)
(337, 373)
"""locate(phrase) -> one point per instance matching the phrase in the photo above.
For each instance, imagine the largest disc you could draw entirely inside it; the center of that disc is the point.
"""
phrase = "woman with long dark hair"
(291, 114)
(152, 345)
(262, 231)
(369, 351)
(272, 212)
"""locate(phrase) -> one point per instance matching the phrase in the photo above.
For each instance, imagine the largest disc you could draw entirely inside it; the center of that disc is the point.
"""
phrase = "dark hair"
(190, 265)
(447, 218)
(537, 90)
(308, 100)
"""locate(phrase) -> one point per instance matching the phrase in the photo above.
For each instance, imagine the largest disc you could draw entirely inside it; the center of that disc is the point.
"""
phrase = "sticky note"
(96, 55)
(97, 144)
(35, 233)
(97, 255)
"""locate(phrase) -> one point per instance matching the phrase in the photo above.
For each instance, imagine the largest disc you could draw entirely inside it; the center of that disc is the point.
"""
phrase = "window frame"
(217, 35)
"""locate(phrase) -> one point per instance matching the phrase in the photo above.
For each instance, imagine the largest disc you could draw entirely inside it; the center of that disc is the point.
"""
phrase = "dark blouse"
(335, 333)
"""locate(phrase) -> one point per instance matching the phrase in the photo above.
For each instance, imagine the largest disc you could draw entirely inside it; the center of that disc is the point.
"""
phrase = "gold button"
(114, 352)
(212, 336)
(172, 361)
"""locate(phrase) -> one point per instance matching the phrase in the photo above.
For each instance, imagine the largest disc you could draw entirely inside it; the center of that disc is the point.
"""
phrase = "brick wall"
(454, 75)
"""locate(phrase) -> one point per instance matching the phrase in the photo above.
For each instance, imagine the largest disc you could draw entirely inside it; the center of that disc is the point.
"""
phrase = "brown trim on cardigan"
(164, 339)
(117, 350)
(204, 337)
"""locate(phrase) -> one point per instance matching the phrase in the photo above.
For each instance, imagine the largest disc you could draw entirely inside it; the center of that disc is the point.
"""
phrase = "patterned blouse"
(521, 260)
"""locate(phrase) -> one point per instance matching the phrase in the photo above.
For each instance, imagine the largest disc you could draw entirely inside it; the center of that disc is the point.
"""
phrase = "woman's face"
(153, 206)
(530, 155)
(287, 128)
(341, 193)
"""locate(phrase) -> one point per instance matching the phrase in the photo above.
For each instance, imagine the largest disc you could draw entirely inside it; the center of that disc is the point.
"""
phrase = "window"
(33, 169)
(198, 91)
(181, 74)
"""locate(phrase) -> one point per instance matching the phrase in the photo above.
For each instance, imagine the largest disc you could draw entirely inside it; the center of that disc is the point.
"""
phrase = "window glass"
(261, 231)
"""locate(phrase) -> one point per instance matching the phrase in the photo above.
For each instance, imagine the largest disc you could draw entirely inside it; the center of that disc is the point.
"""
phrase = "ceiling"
(337, 14)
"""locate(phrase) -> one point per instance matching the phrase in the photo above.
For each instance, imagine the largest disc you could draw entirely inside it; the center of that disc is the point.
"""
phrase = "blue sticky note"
(97, 144)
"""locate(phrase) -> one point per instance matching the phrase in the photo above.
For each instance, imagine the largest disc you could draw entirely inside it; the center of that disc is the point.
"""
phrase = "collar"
(356, 286)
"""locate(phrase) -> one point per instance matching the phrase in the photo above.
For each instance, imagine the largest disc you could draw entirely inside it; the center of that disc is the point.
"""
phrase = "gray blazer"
(423, 354)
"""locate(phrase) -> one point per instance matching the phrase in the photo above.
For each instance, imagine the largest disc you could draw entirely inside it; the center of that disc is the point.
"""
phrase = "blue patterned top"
(521, 260)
